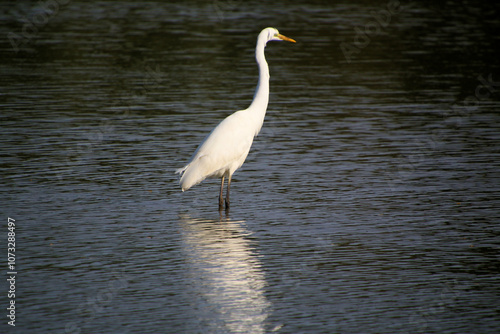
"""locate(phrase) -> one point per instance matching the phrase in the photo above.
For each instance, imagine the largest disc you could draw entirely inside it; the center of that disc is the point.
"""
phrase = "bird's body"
(222, 152)
(225, 149)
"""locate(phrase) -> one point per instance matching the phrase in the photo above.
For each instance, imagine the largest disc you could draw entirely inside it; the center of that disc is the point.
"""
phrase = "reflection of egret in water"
(225, 276)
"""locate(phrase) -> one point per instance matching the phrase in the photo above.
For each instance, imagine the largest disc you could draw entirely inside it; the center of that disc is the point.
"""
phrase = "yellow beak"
(280, 36)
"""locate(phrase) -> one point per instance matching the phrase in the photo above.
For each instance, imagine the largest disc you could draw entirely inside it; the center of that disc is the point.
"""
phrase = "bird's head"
(272, 34)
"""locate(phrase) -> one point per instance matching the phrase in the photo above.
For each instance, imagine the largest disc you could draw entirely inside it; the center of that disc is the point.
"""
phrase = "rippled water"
(368, 203)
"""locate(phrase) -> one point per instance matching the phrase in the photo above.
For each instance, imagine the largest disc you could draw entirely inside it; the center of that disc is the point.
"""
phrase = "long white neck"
(261, 96)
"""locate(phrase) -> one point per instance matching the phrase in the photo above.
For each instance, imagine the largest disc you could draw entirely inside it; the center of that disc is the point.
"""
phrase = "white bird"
(225, 148)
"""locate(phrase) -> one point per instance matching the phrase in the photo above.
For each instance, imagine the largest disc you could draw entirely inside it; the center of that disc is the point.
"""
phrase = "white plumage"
(225, 148)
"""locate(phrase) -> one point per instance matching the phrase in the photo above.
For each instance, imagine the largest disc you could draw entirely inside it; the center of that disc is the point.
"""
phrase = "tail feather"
(191, 174)
(182, 172)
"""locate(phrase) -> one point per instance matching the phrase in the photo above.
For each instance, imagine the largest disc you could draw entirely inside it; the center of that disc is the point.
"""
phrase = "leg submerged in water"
(227, 192)
(221, 200)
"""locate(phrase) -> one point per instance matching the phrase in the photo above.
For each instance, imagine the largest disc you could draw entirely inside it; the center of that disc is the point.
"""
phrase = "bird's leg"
(227, 192)
(221, 201)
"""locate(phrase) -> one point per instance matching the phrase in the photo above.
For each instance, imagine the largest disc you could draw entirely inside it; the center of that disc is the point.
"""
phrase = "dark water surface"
(369, 203)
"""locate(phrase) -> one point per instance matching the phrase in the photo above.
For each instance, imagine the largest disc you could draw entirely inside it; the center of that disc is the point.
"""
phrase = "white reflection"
(225, 277)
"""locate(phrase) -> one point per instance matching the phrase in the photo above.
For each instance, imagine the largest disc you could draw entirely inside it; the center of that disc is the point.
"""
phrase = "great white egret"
(225, 148)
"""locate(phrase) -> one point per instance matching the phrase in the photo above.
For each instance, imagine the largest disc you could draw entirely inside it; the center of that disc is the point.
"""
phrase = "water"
(368, 203)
